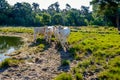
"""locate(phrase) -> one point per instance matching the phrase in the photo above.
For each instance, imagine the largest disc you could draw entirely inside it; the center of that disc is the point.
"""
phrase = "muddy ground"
(38, 64)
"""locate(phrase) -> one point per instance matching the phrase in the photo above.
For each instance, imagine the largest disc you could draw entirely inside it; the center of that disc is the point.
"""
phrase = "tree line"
(24, 14)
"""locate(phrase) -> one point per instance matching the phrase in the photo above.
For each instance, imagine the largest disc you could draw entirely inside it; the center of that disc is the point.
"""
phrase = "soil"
(38, 64)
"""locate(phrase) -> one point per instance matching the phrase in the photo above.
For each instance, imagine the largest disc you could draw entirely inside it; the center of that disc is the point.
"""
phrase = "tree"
(68, 7)
(54, 8)
(56, 4)
(84, 10)
(3, 6)
(38, 20)
(46, 19)
(57, 19)
(87, 15)
(35, 7)
(4, 12)
(110, 9)
(22, 14)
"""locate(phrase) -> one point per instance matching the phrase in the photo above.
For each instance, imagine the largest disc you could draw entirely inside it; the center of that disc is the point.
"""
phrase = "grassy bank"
(96, 50)
(16, 29)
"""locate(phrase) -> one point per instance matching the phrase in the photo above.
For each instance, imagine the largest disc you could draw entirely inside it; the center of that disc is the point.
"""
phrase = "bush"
(85, 63)
(42, 46)
(4, 64)
(65, 62)
(75, 70)
(64, 76)
(78, 76)
(9, 62)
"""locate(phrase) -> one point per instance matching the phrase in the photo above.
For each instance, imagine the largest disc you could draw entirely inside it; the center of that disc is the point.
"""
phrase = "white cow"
(62, 33)
(38, 30)
(48, 33)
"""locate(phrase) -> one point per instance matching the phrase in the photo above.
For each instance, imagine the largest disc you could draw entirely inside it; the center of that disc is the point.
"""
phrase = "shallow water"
(8, 45)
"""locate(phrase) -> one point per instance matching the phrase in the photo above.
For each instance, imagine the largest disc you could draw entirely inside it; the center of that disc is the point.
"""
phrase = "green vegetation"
(95, 49)
(42, 46)
(65, 62)
(97, 52)
(64, 76)
(104, 13)
(9, 62)
(78, 76)
(10, 41)
(16, 29)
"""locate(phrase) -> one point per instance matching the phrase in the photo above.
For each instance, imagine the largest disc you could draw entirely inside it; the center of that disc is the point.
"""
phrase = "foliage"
(9, 62)
(65, 62)
(58, 19)
(16, 29)
(46, 19)
(24, 14)
(109, 9)
(78, 76)
(64, 76)
(98, 49)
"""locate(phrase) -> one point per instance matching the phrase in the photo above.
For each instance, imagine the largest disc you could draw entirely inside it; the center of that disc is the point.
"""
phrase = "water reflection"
(8, 45)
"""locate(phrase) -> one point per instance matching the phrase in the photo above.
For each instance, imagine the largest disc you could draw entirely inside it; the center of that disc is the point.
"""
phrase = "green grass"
(96, 47)
(64, 76)
(65, 62)
(97, 50)
(78, 76)
(8, 62)
(16, 29)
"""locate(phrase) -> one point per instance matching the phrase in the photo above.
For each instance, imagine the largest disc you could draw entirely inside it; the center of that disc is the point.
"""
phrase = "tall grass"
(16, 29)
(99, 48)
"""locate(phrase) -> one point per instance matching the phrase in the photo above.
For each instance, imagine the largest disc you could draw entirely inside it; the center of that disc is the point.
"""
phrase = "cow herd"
(61, 34)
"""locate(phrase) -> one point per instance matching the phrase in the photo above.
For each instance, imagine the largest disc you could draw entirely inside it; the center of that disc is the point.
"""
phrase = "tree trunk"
(117, 22)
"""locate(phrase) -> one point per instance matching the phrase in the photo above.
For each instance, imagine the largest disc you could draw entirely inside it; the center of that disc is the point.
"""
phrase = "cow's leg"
(66, 43)
(35, 34)
(50, 39)
(63, 45)
(46, 37)
(56, 39)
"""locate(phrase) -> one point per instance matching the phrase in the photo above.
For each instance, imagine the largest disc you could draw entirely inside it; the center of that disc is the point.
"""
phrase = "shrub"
(85, 64)
(64, 76)
(78, 76)
(4, 64)
(75, 70)
(42, 46)
(9, 62)
(65, 62)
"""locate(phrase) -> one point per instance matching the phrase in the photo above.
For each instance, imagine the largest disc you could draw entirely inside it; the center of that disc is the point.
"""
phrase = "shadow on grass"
(5, 68)
(66, 59)
(2, 70)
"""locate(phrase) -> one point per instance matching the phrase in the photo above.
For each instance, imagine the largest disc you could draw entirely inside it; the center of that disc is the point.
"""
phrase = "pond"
(9, 44)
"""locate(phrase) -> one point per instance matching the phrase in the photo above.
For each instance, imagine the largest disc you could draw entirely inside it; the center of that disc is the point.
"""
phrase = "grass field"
(97, 51)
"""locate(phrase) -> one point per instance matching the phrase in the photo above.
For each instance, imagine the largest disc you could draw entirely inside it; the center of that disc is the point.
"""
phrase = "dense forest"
(104, 13)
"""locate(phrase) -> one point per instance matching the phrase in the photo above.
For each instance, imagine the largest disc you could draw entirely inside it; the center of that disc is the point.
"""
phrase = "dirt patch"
(40, 64)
